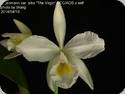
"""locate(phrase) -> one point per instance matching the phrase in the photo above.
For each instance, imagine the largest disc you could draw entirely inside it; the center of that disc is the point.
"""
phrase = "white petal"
(12, 55)
(85, 45)
(22, 27)
(82, 70)
(10, 35)
(16, 36)
(4, 43)
(49, 80)
(62, 73)
(37, 48)
(7, 43)
(10, 45)
(59, 24)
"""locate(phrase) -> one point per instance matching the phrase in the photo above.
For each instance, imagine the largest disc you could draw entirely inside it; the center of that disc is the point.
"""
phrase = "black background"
(104, 17)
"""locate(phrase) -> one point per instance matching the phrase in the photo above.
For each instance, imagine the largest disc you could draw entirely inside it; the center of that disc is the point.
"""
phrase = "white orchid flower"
(15, 39)
(1, 91)
(65, 64)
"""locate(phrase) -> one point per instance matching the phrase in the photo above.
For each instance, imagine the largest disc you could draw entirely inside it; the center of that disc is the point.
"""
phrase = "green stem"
(56, 90)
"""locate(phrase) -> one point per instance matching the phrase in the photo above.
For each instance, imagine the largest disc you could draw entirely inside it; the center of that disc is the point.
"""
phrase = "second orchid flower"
(14, 39)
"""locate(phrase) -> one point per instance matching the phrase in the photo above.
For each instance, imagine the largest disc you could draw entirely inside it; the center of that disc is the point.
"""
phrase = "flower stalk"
(56, 90)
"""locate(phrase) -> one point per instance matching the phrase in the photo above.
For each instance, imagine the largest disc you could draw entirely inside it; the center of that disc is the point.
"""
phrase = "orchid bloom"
(15, 39)
(65, 64)
(1, 91)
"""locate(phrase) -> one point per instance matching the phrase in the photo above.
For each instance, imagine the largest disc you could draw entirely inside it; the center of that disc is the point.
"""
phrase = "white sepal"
(59, 24)
(12, 55)
(4, 43)
(22, 27)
